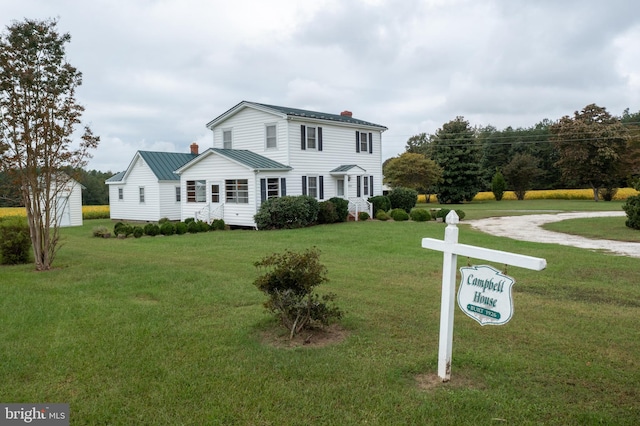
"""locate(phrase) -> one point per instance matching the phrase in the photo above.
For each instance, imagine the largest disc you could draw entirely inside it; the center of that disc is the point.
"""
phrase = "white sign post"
(451, 249)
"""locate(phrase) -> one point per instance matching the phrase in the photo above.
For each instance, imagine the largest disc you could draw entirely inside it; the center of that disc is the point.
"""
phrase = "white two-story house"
(261, 151)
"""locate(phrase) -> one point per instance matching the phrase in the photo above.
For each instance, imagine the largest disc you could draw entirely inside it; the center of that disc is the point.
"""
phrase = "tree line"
(591, 149)
(94, 192)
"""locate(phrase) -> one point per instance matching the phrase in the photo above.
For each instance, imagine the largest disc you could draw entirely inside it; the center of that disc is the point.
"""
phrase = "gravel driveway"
(527, 228)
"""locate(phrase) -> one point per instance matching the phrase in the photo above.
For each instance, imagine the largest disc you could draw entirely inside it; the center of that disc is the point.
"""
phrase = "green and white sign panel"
(485, 295)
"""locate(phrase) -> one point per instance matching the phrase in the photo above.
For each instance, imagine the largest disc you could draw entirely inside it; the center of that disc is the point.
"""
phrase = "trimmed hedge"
(403, 198)
(420, 215)
(399, 215)
(287, 212)
(380, 202)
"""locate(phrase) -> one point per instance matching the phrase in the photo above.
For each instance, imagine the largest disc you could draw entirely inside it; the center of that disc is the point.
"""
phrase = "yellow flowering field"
(551, 194)
(88, 212)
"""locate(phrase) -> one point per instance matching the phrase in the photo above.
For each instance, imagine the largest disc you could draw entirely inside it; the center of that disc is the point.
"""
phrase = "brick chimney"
(194, 148)
(346, 113)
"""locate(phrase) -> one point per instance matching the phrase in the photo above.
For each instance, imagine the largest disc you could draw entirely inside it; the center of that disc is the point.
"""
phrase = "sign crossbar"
(451, 249)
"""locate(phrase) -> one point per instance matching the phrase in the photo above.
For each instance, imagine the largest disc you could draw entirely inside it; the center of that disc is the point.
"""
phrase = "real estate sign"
(485, 295)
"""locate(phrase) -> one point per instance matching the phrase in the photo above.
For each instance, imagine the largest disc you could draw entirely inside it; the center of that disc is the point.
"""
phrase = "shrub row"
(163, 227)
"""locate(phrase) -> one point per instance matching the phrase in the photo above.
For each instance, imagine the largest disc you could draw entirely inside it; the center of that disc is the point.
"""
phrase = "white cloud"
(156, 71)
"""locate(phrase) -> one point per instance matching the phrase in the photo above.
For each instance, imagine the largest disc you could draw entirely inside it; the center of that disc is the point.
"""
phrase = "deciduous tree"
(520, 173)
(591, 146)
(413, 171)
(39, 114)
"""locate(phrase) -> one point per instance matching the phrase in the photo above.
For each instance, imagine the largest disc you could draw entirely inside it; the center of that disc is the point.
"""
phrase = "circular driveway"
(528, 228)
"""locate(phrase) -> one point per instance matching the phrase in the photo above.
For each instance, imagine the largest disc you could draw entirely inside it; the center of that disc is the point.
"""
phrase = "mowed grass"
(607, 228)
(168, 330)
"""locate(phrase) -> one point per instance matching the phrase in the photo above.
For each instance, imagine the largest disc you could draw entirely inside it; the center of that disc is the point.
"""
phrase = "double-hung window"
(237, 191)
(364, 142)
(310, 138)
(271, 141)
(313, 186)
(178, 196)
(141, 192)
(120, 194)
(196, 191)
(226, 139)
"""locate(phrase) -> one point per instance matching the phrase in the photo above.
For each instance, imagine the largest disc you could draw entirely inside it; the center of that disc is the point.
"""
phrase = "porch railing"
(357, 205)
(209, 213)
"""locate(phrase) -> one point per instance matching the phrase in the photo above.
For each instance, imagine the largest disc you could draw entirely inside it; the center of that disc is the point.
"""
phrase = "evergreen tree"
(457, 152)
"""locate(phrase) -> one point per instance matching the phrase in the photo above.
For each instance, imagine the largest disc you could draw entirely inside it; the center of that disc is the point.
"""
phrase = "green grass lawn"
(169, 330)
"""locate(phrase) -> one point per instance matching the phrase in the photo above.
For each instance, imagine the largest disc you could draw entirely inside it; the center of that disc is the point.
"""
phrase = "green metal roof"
(163, 164)
(250, 159)
(344, 168)
(295, 112)
(116, 178)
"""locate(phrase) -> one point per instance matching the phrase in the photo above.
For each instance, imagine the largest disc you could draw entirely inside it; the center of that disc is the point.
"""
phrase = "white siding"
(248, 128)
(130, 207)
(169, 207)
(215, 170)
(338, 148)
(75, 204)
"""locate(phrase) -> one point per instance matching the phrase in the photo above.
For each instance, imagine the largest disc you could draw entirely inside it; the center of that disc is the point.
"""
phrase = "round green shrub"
(181, 228)
(118, 228)
(151, 229)
(399, 215)
(189, 220)
(193, 227)
(382, 215)
(138, 231)
(163, 221)
(363, 216)
(442, 213)
(461, 214)
(203, 226)
(218, 225)
(403, 198)
(420, 215)
(167, 228)
(632, 208)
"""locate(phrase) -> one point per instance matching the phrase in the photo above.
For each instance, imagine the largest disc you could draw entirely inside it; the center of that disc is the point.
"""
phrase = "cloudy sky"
(156, 71)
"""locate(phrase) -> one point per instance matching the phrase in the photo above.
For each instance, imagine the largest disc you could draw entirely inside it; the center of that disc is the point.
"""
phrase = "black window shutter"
(359, 186)
(263, 190)
(321, 185)
(370, 143)
(304, 185)
(303, 137)
(371, 185)
(283, 187)
(357, 141)
(319, 138)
